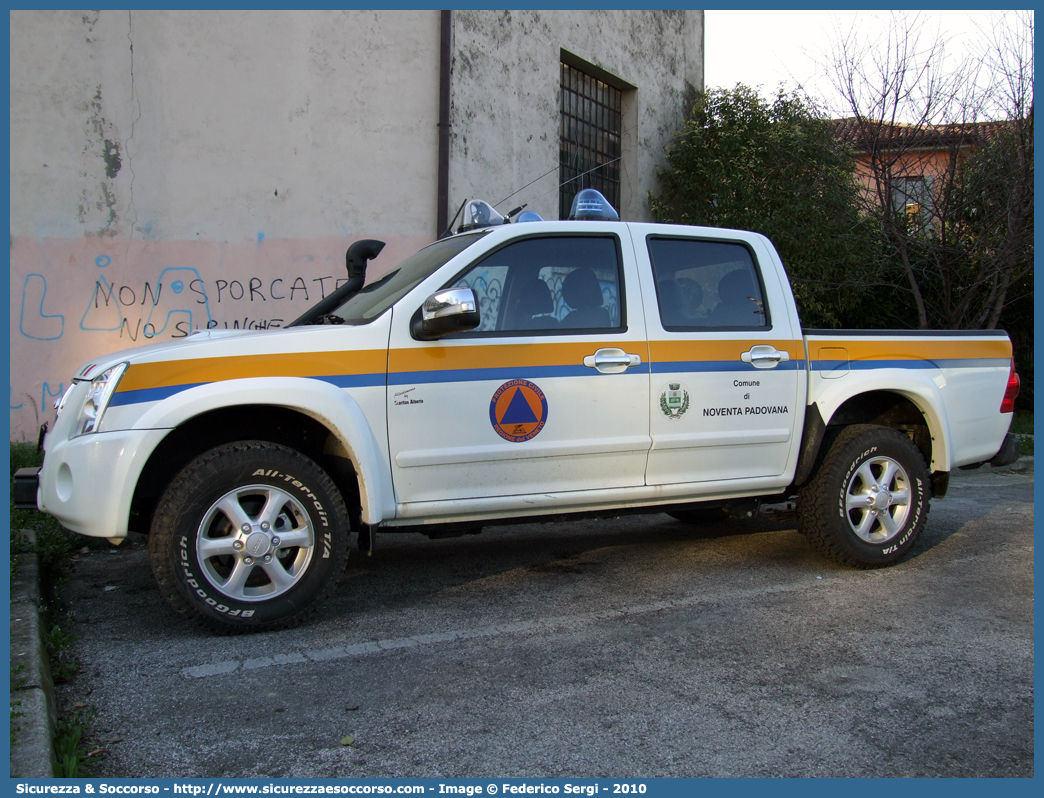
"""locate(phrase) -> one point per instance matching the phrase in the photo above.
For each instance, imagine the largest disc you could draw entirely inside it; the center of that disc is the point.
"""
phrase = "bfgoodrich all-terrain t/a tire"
(868, 500)
(250, 536)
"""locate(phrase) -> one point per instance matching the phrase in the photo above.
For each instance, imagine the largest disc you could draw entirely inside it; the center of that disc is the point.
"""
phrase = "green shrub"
(68, 753)
(63, 664)
(1022, 425)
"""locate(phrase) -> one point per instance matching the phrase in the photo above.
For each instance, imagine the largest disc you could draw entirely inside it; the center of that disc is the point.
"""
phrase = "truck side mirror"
(449, 311)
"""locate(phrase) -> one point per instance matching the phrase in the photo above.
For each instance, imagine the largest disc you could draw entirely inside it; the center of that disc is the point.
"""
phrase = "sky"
(769, 47)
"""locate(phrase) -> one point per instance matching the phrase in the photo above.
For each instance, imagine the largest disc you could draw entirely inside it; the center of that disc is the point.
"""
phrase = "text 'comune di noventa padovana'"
(758, 410)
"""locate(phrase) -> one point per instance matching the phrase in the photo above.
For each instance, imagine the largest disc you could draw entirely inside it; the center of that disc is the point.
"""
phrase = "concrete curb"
(34, 714)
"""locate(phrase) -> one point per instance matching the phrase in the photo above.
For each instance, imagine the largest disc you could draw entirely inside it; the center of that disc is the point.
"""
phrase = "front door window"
(552, 285)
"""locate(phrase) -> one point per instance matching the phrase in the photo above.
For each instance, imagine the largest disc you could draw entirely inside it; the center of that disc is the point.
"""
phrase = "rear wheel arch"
(896, 411)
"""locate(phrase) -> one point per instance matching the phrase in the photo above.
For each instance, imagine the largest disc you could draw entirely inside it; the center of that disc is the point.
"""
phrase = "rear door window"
(707, 285)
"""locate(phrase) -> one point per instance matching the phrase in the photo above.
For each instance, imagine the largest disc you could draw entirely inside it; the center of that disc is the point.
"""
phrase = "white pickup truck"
(520, 371)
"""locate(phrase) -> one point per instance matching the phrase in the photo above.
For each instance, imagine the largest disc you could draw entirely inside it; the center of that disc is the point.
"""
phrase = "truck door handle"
(763, 356)
(611, 361)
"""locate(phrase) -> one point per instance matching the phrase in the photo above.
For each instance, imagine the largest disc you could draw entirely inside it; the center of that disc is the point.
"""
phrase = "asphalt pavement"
(636, 647)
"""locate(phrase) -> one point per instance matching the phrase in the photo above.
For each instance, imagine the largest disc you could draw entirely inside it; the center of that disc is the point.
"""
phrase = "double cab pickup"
(526, 370)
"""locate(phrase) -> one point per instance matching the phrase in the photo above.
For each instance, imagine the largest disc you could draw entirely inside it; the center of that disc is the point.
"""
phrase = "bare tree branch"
(945, 154)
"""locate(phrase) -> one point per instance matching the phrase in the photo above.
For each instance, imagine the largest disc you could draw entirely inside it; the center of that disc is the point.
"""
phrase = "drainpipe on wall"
(445, 44)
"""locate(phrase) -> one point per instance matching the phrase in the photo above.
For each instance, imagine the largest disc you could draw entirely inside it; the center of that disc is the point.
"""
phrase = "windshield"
(378, 296)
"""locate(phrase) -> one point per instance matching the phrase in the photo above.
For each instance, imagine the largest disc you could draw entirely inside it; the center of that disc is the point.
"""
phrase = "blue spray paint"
(38, 325)
(105, 288)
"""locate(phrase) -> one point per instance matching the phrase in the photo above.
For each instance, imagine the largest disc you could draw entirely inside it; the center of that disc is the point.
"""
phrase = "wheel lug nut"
(264, 526)
(248, 560)
(268, 558)
(237, 545)
(245, 528)
(275, 541)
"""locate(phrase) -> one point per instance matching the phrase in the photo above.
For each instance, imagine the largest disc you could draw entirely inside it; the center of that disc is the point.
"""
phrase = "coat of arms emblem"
(674, 400)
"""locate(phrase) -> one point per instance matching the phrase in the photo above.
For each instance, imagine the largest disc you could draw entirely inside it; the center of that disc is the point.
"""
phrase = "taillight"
(1008, 405)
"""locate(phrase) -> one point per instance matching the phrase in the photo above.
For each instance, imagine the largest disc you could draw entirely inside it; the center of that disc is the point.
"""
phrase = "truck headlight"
(93, 408)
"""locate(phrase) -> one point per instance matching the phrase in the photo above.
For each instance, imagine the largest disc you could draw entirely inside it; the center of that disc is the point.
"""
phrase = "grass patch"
(53, 543)
(73, 748)
(69, 745)
(1022, 426)
(63, 663)
(67, 753)
(16, 713)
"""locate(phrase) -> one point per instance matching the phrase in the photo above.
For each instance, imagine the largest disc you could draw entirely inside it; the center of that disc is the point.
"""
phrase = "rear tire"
(250, 536)
(867, 502)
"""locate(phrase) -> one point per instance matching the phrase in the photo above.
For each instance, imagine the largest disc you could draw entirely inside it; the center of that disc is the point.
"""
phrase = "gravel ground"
(635, 647)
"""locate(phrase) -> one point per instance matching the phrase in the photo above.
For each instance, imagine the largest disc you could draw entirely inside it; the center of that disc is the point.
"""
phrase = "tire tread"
(192, 477)
(819, 525)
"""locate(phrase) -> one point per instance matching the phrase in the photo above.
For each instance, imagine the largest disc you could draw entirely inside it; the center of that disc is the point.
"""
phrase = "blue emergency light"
(590, 206)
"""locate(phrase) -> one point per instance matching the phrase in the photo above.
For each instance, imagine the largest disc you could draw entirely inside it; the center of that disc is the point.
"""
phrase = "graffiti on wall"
(73, 301)
(37, 323)
(172, 305)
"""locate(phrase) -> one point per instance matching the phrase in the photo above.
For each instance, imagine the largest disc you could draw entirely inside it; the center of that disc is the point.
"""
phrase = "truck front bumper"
(87, 482)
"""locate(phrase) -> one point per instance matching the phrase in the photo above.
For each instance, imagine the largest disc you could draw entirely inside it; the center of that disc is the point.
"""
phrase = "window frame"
(923, 197)
(766, 327)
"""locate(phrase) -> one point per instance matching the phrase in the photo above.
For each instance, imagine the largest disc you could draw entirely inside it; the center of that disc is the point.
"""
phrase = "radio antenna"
(449, 228)
(527, 185)
(549, 171)
(595, 169)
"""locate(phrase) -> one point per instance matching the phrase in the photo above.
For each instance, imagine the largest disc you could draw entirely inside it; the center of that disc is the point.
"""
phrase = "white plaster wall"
(177, 170)
(210, 113)
(181, 169)
(505, 97)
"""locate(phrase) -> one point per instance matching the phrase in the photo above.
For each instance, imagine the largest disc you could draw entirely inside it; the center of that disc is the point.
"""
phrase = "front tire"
(867, 502)
(249, 536)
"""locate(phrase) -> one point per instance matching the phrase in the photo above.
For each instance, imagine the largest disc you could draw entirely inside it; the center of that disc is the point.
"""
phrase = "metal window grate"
(589, 146)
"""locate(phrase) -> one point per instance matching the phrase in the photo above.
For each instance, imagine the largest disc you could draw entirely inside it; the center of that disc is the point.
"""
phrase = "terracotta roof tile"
(862, 133)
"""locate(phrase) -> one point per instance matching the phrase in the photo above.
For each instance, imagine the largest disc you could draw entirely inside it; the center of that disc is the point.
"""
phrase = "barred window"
(589, 147)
